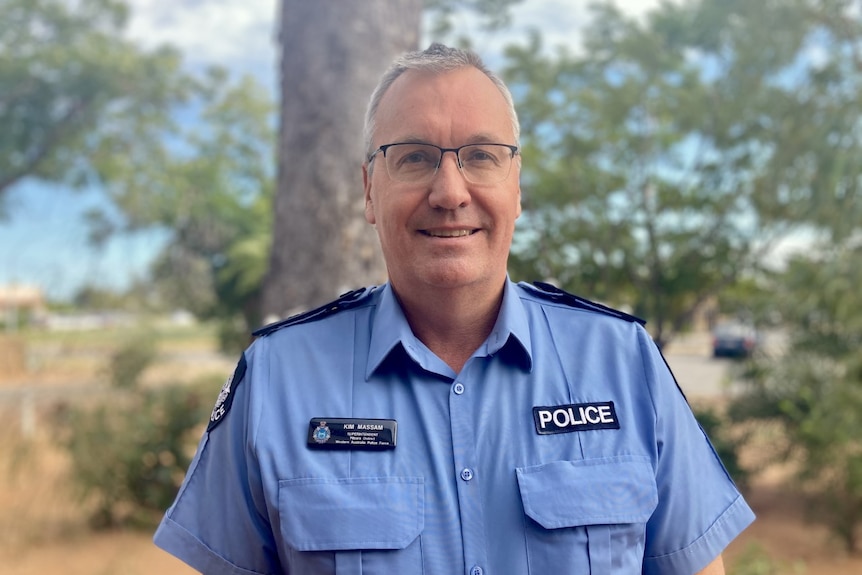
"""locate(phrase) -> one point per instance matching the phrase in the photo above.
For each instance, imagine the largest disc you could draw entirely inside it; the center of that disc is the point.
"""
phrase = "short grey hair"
(436, 59)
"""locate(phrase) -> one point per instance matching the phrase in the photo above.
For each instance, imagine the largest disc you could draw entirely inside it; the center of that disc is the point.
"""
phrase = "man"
(452, 421)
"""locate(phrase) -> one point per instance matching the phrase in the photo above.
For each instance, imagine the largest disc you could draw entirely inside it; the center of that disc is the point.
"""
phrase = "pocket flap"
(606, 491)
(355, 513)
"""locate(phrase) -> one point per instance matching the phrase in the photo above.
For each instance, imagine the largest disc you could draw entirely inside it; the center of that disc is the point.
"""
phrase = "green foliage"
(128, 363)
(129, 455)
(208, 185)
(190, 156)
(494, 15)
(751, 300)
(756, 561)
(70, 84)
(663, 162)
(814, 389)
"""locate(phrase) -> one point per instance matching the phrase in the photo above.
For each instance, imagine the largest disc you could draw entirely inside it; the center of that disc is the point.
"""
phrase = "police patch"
(225, 396)
(575, 417)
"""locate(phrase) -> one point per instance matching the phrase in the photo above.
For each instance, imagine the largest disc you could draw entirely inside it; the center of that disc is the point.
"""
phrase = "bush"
(129, 362)
(813, 390)
(129, 456)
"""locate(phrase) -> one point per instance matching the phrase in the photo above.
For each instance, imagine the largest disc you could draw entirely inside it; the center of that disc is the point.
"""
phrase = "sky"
(44, 239)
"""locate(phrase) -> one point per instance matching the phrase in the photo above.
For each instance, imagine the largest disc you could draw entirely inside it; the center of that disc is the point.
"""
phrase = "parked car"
(734, 339)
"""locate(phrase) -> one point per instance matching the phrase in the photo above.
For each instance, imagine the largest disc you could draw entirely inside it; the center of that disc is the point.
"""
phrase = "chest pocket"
(352, 526)
(589, 516)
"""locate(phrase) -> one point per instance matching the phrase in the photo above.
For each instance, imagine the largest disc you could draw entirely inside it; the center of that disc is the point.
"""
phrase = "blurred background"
(174, 175)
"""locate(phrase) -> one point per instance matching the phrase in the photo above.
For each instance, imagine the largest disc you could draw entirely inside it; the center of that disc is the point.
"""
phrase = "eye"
(414, 155)
(416, 158)
(481, 155)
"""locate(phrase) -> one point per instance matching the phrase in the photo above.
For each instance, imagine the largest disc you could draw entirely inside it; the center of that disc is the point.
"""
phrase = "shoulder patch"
(555, 294)
(347, 300)
(225, 396)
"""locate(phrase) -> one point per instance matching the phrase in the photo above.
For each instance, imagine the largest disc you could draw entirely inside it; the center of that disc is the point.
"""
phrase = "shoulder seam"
(348, 300)
(553, 293)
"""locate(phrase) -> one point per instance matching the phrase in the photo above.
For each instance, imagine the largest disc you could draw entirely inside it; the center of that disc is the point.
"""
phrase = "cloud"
(241, 34)
(560, 23)
(237, 34)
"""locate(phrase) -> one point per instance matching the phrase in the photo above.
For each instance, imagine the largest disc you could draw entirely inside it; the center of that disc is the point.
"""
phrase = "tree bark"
(333, 52)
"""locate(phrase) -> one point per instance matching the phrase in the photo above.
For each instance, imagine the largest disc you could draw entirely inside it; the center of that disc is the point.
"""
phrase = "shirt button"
(476, 570)
(466, 474)
(459, 388)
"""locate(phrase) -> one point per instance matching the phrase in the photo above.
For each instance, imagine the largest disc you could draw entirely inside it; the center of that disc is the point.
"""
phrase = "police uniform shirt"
(563, 446)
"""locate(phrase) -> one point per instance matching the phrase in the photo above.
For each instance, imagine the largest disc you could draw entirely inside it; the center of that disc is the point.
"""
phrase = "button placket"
(462, 412)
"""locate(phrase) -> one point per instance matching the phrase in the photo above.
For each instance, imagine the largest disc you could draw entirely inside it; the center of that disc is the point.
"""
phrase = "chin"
(452, 277)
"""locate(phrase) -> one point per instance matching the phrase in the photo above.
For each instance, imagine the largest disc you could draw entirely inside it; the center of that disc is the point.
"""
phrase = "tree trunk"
(333, 54)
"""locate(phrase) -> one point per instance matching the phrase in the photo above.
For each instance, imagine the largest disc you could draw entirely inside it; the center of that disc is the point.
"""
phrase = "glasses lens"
(417, 163)
(485, 163)
(412, 162)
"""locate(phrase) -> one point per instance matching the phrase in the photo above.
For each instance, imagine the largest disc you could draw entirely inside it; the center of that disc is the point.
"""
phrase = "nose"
(448, 186)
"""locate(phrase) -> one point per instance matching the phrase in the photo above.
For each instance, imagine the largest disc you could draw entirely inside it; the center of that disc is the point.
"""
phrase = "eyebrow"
(480, 138)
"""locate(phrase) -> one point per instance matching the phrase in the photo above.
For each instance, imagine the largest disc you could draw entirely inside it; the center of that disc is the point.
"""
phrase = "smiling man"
(444, 198)
(452, 421)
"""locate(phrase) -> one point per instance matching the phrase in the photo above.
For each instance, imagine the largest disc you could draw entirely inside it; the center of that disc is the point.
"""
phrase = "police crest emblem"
(321, 433)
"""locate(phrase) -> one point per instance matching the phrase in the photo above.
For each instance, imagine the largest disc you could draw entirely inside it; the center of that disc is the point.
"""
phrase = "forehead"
(449, 108)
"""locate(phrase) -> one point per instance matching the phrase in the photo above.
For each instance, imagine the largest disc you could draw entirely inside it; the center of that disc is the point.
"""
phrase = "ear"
(369, 206)
(518, 211)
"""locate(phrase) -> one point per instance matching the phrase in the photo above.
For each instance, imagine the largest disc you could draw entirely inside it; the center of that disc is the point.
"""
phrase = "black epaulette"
(555, 294)
(348, 300)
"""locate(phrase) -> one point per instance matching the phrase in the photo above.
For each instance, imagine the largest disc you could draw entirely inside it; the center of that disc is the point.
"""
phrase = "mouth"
(457, 233)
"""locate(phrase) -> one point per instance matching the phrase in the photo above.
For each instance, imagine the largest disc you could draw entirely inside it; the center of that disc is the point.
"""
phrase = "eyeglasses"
(417, 163)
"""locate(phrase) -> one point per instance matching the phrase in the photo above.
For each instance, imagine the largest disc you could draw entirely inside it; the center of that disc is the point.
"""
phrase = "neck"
(452, 323)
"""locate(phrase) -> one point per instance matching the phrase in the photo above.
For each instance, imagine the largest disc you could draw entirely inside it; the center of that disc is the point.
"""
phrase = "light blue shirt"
(609, 474)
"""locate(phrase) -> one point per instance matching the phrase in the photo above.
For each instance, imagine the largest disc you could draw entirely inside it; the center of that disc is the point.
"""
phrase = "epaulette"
(347, 300)
(555, 294)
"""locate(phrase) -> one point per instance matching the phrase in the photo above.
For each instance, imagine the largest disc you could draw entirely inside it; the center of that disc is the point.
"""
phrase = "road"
(701, 375)
(697, 372)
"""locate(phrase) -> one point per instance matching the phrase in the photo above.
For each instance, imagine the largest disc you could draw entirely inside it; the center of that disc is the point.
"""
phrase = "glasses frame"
(457, 151)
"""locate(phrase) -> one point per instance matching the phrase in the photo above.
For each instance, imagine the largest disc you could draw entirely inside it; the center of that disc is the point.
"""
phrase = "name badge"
(575, 417)
(339, 433)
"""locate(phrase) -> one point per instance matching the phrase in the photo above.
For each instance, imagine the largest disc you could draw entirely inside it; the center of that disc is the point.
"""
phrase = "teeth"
(449, 233)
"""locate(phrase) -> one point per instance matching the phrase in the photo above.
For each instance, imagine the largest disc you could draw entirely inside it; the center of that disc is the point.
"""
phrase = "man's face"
(446, 233)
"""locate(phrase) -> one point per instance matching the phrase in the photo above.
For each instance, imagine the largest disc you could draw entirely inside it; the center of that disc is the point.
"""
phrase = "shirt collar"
(390, 328)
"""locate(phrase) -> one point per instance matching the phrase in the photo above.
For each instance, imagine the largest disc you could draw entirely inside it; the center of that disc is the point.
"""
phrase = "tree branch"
(47, 146)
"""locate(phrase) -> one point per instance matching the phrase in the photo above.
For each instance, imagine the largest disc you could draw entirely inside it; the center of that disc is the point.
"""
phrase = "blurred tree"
(814, 388)
(70, 83)
(672, 153)
(332, 54)
(206, 181)
(494, 15)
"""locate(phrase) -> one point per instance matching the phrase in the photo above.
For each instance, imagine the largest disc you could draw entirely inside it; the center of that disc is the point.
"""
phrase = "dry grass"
(36, 496)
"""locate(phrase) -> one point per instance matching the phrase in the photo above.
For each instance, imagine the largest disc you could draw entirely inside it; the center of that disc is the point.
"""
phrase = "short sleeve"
(700, 509)
(218, 523)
